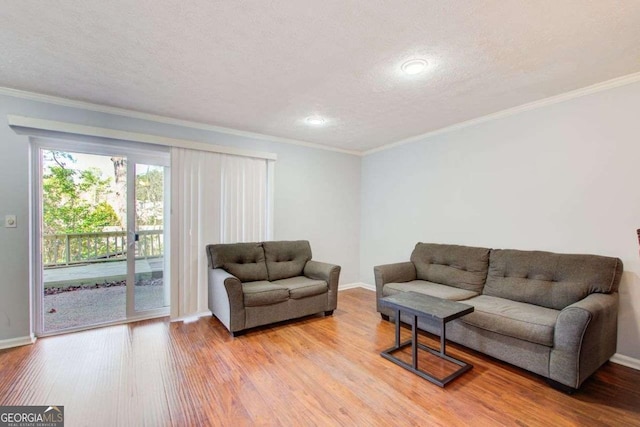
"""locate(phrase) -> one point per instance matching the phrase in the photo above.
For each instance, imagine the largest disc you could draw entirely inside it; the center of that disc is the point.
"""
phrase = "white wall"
(560, 178)
(316, 197)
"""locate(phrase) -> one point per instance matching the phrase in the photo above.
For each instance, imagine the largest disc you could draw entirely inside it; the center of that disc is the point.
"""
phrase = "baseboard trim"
(356, 285)
(627, 361)
(192, 317)
(17, 342)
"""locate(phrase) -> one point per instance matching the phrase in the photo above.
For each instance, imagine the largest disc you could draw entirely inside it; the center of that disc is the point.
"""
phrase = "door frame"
(135, 153)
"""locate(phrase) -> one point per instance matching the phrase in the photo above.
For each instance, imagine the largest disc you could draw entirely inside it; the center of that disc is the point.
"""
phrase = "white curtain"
(244, 199)
(215, 198)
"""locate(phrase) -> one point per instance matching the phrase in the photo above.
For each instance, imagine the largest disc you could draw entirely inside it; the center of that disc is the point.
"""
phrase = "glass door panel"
(82, 241)
(150, 291)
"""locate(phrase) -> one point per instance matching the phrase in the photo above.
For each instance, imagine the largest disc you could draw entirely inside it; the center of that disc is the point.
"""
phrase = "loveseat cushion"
(434, 289)
(263, 293)
(464, 267)
(514, 319)
(246, 261)
(549, 279)
(302, 287)
(286, 259)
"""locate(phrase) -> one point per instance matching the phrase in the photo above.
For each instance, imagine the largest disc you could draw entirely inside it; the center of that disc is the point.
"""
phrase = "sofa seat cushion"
(302, 287)
(429, 288)
(285, 259)
(514, 319)
(263, 293)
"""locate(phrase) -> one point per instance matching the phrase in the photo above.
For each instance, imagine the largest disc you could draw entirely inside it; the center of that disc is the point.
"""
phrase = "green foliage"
(74, 201)
(150, 196)
(103, 215)
(81, 200)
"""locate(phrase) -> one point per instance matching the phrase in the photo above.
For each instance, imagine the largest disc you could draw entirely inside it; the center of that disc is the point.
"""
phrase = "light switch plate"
(10, 221)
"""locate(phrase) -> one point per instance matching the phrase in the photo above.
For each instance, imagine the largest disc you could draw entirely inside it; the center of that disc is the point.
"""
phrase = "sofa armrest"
(330, 273)
(585, 338)
(226, 300)
(392, 273)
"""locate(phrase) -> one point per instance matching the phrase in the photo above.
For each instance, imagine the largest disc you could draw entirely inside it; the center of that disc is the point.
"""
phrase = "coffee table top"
(426, 305)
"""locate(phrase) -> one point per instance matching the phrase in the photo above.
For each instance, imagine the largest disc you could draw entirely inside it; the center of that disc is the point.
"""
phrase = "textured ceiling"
(263, 66)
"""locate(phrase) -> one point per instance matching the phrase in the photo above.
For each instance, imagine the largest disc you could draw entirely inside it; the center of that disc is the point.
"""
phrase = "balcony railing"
(82, 248)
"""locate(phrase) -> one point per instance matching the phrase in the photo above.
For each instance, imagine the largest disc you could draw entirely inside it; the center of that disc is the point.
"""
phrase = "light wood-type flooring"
(320, 371)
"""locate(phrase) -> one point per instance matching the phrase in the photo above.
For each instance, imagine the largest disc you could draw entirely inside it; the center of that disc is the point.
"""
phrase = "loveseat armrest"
(392, 273)
(226, 300)
(585, 338)
(330, 273)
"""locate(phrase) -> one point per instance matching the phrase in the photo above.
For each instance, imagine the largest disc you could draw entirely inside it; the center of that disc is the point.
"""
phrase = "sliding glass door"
(148, 242)
(101, 235)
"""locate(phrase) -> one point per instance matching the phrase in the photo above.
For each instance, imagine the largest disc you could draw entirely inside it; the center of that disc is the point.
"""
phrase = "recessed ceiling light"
(314, 120)
(414, 66)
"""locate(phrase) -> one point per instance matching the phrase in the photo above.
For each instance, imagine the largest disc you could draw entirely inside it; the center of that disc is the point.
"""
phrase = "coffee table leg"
(414, 342)
(443, 334)
(397, 328)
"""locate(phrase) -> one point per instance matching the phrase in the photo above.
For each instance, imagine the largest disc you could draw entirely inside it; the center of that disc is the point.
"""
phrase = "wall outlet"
(10, 221)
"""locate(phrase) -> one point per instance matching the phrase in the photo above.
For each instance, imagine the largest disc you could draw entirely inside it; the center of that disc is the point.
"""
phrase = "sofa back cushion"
(286, 259)
(464, 267)
(244, 260)
(549, 279)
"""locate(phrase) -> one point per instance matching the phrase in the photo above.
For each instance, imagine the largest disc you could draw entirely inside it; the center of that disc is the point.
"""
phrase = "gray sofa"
(552, 314)
(255, 284)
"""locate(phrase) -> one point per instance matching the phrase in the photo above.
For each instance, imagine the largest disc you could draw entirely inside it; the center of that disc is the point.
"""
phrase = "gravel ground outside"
(90, 306)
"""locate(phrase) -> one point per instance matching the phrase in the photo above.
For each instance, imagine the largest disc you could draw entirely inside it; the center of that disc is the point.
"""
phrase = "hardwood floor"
(318, 371)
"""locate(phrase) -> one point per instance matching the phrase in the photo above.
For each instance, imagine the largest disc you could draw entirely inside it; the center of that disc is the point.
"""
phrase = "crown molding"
(598, 87)
(49, 99)
(123, 112)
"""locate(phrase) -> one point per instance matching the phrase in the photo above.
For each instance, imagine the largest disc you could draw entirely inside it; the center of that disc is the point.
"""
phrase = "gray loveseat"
(552, 314)
(254, 284)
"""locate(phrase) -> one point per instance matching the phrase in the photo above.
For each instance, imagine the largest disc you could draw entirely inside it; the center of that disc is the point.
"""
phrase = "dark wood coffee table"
(425, 306)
